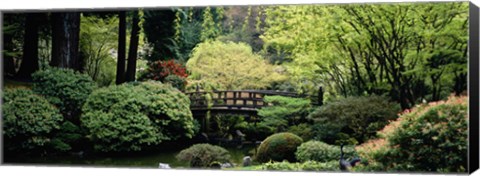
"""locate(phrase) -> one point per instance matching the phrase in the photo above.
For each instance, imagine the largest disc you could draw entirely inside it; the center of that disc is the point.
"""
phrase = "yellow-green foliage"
(430, 137)
(230, 66)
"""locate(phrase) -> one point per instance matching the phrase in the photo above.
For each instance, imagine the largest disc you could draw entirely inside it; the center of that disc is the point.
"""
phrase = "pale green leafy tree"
(231, 66)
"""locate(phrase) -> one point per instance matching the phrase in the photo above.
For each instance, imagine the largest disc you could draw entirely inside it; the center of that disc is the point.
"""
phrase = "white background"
(88, 4)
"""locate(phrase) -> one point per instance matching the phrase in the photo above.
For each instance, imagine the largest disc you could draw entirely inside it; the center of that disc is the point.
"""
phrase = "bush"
(176, 81)
(129, 117)
(358, 117)
(257, 131)
(204, 155)
(321, 152)
(278, 147)
(306, 166)
(303, 130)
(64, 88)
(29, 120)
(427, 138)
(284, 112)
(160, 70)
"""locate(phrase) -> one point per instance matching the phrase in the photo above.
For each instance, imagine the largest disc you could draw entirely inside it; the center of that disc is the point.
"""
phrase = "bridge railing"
(234, 99)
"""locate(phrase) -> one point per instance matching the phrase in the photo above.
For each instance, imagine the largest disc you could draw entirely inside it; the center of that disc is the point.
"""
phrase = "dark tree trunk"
(8, 64)
(65, 40)
(121, 48)
(132, 51)
(30, 47)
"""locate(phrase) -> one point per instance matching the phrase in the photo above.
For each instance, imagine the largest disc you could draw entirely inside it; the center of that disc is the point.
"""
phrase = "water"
(150, 160)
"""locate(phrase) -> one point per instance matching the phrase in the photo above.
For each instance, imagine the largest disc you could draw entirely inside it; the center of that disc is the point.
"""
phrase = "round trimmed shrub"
(64, 88)
(28, 120)
(204, 155)
(129, 117)
(278, 147)
(321, 152)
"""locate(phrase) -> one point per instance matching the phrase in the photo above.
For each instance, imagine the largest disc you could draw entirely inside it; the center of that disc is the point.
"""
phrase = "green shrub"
(64, 88)
(284, 112)
(427, 138)
(176, 81)
(204, 155)
(278, 147)
(306, 166)
(321, 152)
(257, 131)
(358, 117)
(321, 166)
(129, 117)
(29, 120)
(303, 130)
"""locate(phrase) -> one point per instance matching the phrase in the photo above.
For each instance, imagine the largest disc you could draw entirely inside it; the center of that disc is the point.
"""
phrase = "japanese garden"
(357, 87)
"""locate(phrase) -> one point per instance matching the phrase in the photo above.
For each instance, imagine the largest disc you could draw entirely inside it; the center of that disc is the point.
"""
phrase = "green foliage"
(204, 155)
(429, 138)
(303, 130)
(68, 137)
(64, 88)
(226, 124)
(372, 48)
(278, 147)
(159, 32)
(129, 117)
(321, 152)
(29, 121)
(176, 81)
(98, 36)
(353, 117)
(230, 66)
(257, 131)
(209, 28)
(284, 112)
(306, 166)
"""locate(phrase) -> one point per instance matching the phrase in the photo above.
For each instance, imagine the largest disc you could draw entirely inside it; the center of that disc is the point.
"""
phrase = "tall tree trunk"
(121, 48)
(65, 40)
(30, 47)
(132, 51)
(8, 63)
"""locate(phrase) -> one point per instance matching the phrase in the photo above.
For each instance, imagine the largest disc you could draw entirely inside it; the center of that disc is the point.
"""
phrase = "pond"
(149, 160)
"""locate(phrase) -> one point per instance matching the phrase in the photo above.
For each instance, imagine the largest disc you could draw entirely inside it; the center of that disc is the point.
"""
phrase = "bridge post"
(320, 96)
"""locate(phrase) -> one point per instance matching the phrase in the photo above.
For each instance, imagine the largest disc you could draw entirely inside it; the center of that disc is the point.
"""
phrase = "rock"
(247, 161)
(226, 165)
(164, 166)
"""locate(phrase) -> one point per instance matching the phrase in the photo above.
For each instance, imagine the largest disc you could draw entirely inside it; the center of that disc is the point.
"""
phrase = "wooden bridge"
(233, 101)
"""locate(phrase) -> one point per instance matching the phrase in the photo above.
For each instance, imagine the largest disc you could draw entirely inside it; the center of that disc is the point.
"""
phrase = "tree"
(230, 66)
(13, 25)
(158, 30)
(132, 52)
(121, 47)
(30, 47)
(65, 40)
(384, 49)
(98, 36)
